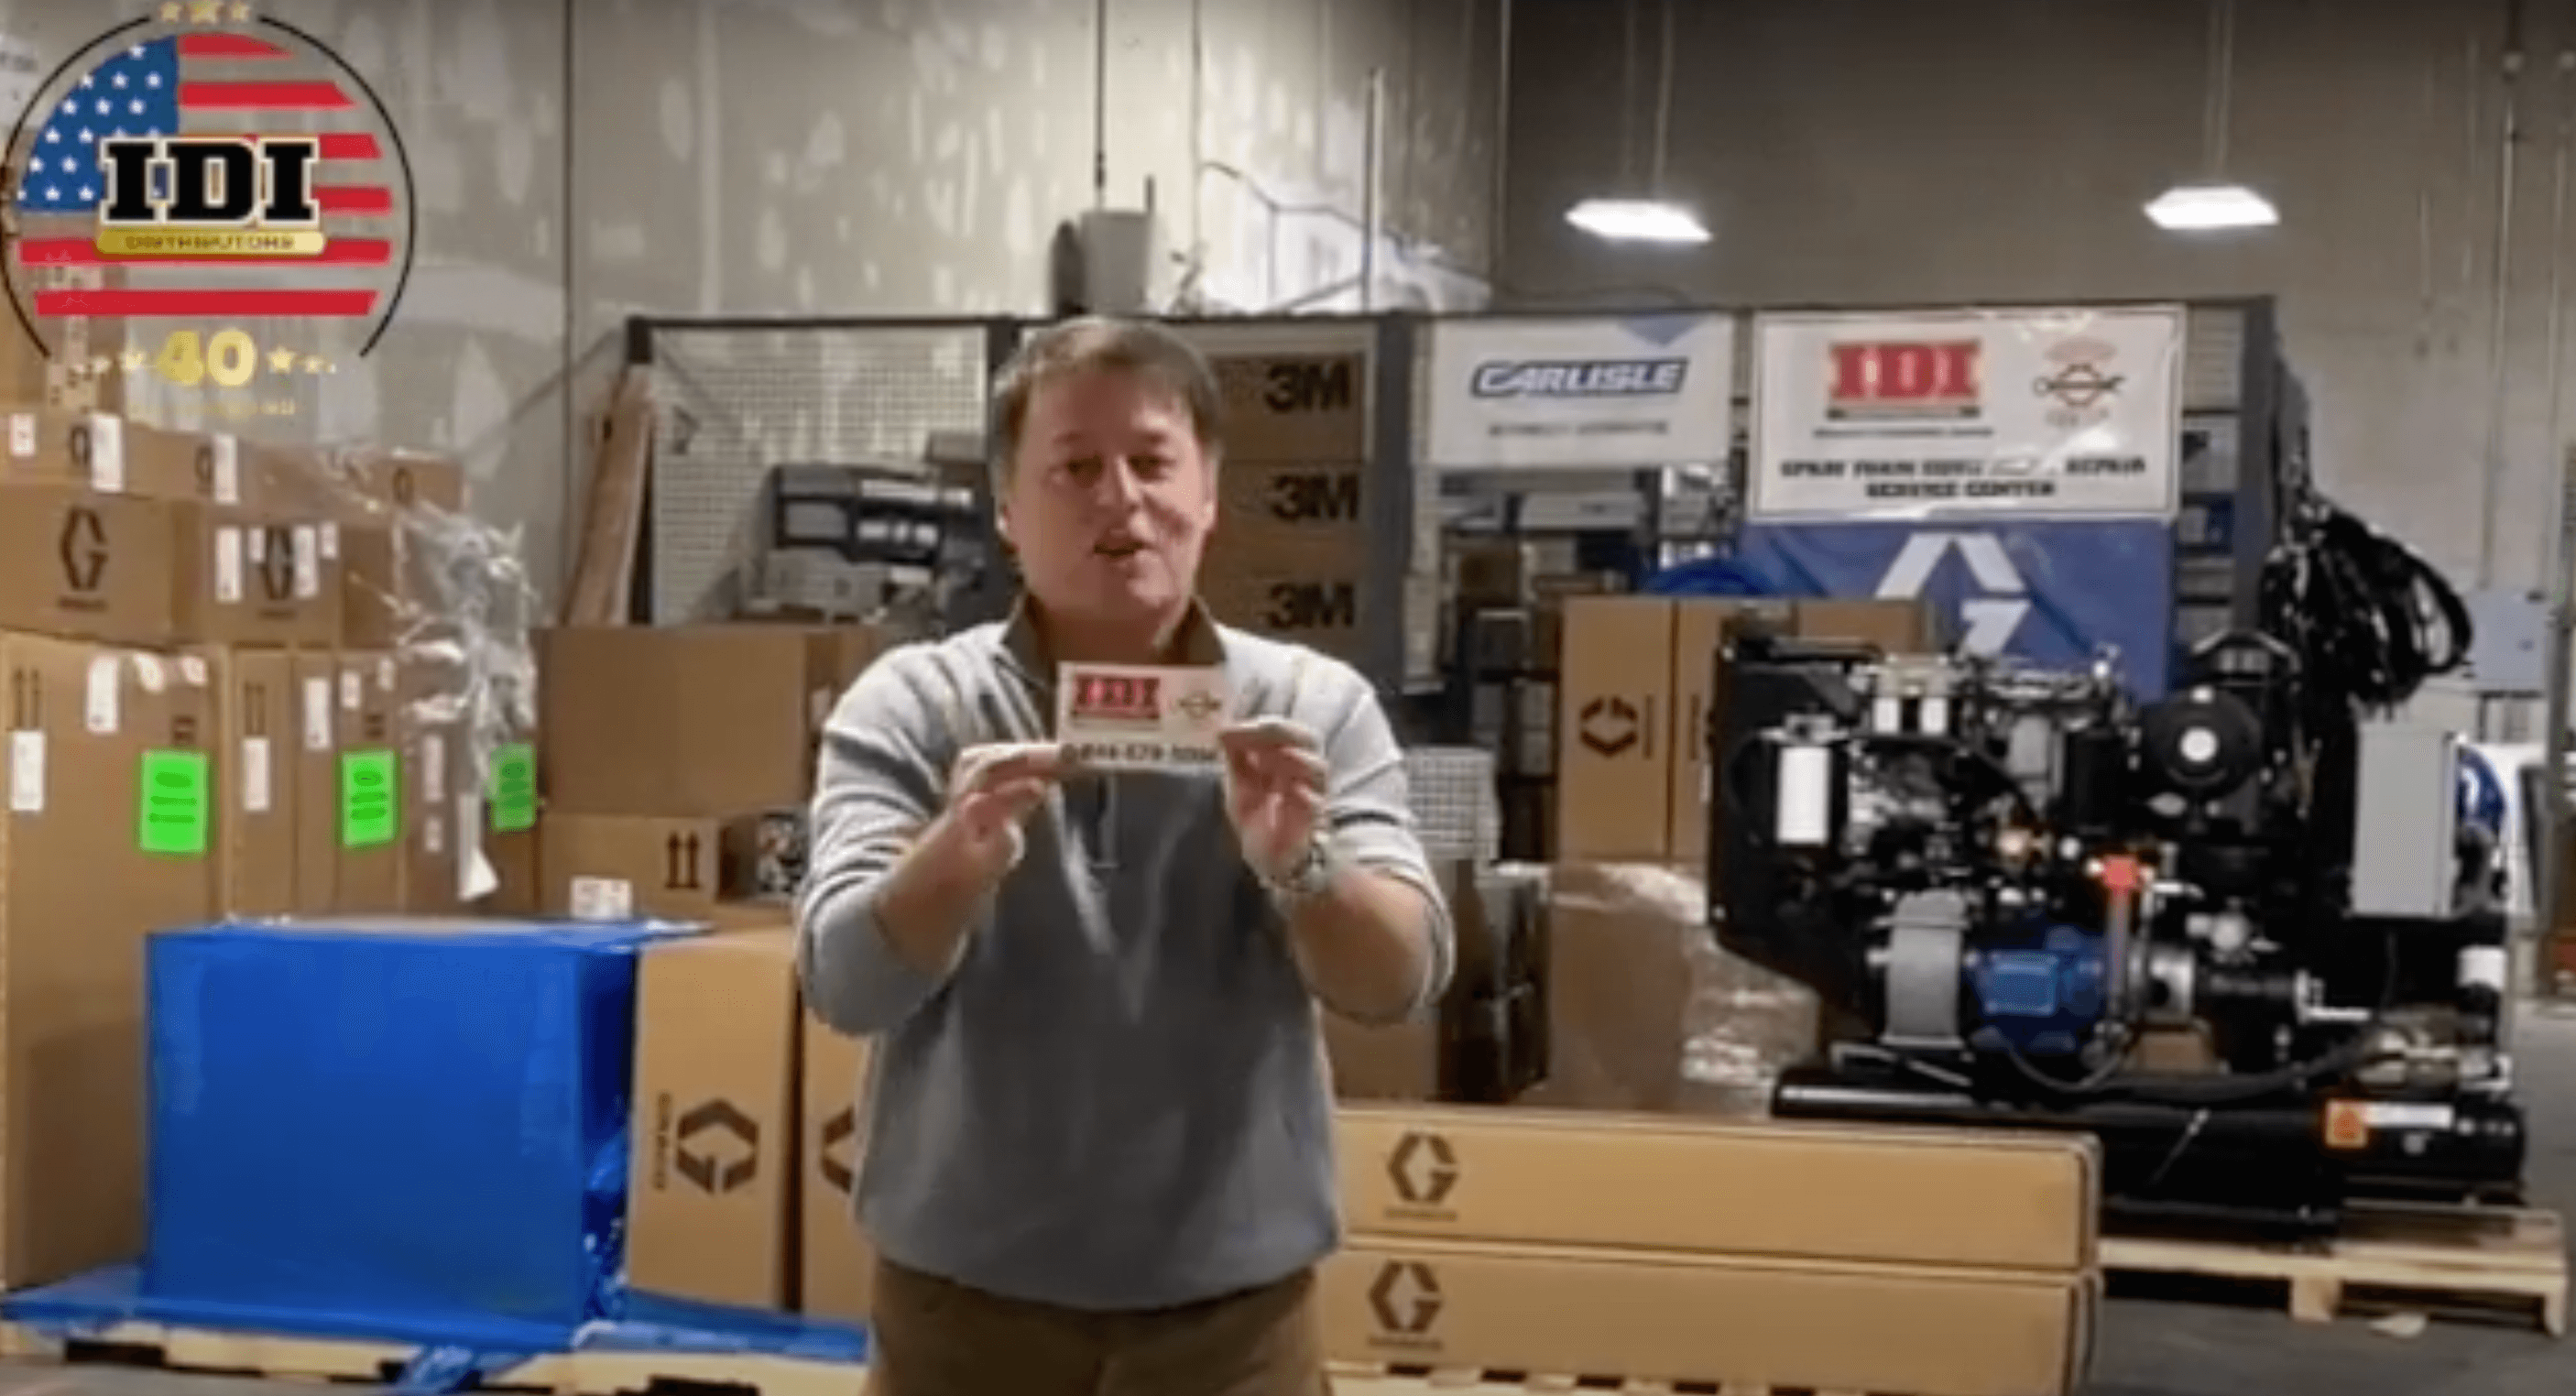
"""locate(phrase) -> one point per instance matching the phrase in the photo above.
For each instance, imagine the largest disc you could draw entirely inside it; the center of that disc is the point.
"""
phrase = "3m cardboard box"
(1637, 684)
(256, 789)
(837, 1268)
(83, 565)
(1320, 607)
(1289, 395)
(713, 1172)
(725, 710)
(1938, 1197)
(107, 836)
(1293, 517)
(1710, 1321)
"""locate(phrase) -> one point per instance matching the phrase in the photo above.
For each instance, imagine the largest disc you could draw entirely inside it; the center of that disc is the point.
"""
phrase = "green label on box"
(514, 788)
(368, 799)
(177, 804)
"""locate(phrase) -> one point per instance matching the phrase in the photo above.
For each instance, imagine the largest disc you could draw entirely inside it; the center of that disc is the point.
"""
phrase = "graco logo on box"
(200, 166)
(1579, 378)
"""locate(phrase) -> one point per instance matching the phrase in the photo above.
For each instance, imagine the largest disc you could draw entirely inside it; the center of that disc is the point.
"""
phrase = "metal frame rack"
(735, 394)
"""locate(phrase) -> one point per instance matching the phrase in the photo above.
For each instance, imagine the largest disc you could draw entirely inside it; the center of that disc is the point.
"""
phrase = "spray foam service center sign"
(2036, 413)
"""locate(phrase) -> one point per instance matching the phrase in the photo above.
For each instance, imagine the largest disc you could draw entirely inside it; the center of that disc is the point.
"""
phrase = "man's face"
(1111, 501)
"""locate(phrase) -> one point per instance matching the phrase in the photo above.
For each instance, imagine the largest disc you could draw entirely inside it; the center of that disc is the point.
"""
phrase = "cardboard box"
(258, 579)
(1320, 607)
(1288, 404)
(1636, 689)
(438, 778)
(109, 454)
(1731, 1322)
(82, 565)
(712, 1174)
(256, 696)
(316, 768)
(109, 836)
(1399, 1062)
(726, 711)
(1293, 517)
(2010, 1200)
(1614, 728)
(610, 867)
(837, 1268)
(371, 803)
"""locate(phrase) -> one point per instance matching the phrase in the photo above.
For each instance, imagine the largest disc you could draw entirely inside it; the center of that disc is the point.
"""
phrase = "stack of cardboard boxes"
(676, 770)
(1290, 556)
(1716, 1255)
(206, 716)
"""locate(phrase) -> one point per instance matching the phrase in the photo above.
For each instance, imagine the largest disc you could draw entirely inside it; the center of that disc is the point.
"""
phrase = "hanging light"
(1637, 220)
(2200, 208)
(1655, 220)
(2214, 204)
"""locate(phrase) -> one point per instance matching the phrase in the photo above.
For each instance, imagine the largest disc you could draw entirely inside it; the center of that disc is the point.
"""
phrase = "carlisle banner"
(2028, 413)
(1633, 393)
(2055, 594)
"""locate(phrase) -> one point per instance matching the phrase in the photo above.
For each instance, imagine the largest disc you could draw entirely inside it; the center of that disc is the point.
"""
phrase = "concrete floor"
(2149, 1348)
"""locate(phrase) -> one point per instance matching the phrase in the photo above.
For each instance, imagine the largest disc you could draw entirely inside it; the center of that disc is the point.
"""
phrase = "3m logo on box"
(1135, 717)
(1878, 379)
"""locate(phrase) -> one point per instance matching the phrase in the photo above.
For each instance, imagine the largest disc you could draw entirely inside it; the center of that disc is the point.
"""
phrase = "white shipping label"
(22, 434)
(433, 770)
(2402, 1114)
(27, 773)
(317, 714)
(308, 563)
(256, 775)
(385, 675)
(223, 464)
(106, 689)
(433, 837)
(106, 453)
(1136, 717)
(228, 564)
(602, 899)
(353, 690)
(330, 542)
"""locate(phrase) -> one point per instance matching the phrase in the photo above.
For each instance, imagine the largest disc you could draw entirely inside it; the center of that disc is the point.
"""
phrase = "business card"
(1139, 717)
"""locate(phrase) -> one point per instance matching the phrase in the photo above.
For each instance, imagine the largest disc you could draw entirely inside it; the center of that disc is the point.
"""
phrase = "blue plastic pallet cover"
(409, 1117)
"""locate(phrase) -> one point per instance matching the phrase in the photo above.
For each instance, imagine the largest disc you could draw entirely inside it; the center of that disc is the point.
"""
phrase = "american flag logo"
(258, 79)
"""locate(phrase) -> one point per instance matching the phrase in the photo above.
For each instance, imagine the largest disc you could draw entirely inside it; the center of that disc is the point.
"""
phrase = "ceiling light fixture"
(1647, 220)
(2214, 204)
(1637, 220)
(2201, 208)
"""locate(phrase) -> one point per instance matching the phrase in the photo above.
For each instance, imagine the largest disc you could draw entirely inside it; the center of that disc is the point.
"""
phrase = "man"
(1099, 1154)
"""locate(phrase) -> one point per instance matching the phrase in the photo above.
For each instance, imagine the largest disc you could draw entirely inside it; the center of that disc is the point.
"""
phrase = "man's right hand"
(992, 790)
(932, 895)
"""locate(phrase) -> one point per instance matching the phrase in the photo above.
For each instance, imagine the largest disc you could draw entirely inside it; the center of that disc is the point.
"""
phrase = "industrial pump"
(2246, 933)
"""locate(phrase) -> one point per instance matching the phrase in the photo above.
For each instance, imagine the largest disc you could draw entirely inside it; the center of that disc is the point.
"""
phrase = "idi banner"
(2044, 413)
(1575, 393)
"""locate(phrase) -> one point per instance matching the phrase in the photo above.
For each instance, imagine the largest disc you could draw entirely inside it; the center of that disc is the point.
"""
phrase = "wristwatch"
(1306, 876)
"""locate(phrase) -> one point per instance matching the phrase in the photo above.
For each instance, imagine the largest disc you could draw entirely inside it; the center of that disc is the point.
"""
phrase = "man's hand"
(1275, 782)
(991, 792)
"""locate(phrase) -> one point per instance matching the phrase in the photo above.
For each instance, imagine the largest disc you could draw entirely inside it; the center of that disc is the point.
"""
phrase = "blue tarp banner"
(2051, 593)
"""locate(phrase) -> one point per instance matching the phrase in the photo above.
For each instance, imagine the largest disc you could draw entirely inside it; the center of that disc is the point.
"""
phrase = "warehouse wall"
(580, 160)
(1860, 151)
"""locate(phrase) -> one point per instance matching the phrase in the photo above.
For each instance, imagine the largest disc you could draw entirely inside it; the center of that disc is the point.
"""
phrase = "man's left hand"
(1275, 782)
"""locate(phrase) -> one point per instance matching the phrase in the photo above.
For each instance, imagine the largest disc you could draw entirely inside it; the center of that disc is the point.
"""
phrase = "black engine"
(2247, 937)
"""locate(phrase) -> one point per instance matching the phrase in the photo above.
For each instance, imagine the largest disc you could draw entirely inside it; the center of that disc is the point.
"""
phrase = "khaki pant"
(932, 1337)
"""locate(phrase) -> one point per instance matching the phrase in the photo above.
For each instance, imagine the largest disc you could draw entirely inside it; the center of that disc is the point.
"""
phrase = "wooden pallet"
(1367, 1379)
(599, 1373)
(2444, 1260)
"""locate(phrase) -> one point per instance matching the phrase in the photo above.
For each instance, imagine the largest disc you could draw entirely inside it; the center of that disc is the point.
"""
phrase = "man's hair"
(1096, 344)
